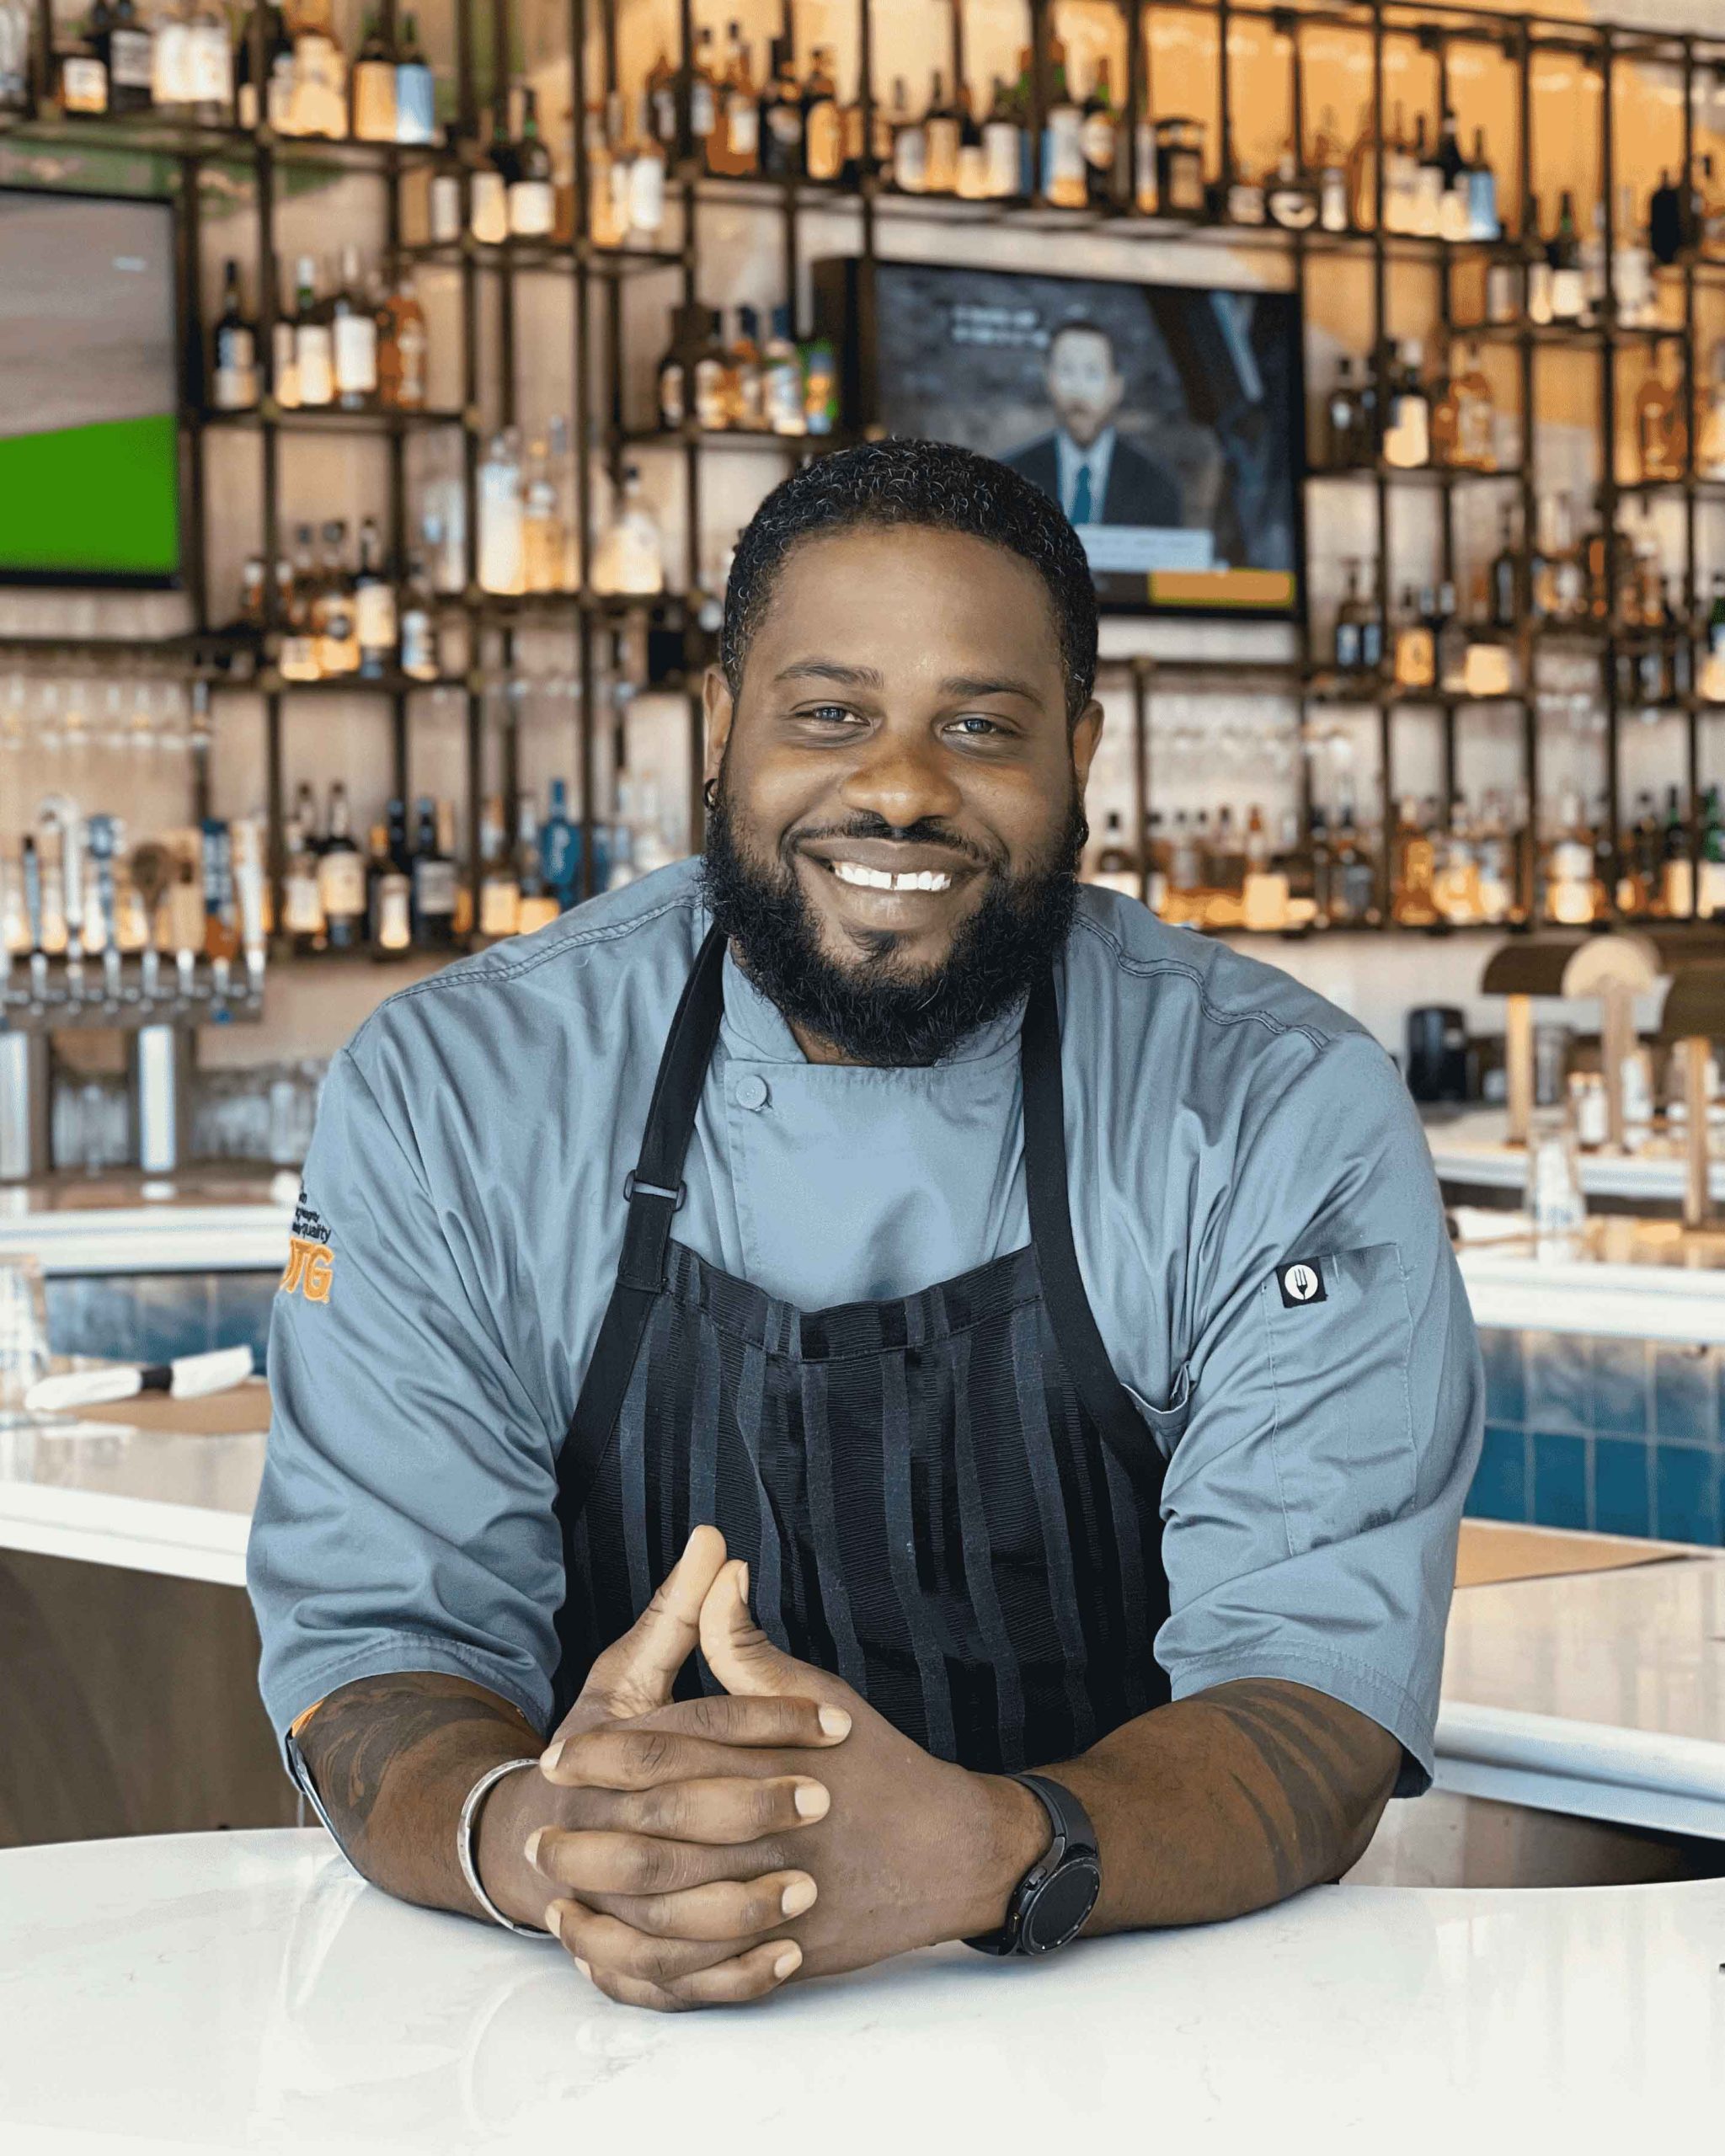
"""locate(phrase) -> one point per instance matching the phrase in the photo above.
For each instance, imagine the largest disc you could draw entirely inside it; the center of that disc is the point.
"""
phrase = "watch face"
(1062, 1903)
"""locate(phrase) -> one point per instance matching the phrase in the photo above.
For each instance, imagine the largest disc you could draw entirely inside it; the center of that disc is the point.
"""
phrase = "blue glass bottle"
(560, 849)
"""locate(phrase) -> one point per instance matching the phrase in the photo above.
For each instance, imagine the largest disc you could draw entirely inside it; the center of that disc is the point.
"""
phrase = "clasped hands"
(701, 1853)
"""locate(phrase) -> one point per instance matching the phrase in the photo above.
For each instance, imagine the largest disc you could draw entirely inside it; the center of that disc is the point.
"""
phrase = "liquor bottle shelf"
(1418, 475)
(323, 419)
(545, 258)
(755, 438)
(151, 133)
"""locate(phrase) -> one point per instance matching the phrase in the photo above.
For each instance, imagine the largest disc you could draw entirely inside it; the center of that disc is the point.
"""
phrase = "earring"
(709, 792)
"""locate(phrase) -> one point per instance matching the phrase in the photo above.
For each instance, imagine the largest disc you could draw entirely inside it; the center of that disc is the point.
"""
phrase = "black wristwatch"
(1050, 1902)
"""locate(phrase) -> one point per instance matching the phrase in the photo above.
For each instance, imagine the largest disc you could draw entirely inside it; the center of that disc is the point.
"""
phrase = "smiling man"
(1017, 1341)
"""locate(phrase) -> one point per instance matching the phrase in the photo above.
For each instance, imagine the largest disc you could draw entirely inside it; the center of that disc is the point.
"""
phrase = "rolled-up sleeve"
(1313, 1501)
(406, 1520)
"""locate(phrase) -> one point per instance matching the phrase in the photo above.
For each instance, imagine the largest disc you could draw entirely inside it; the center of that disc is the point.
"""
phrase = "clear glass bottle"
(374, 85)
(353, 331)
(630, 556)
(502, 540)
(415, 88)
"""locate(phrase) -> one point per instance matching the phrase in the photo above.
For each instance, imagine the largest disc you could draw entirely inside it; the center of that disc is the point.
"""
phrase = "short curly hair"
(934, 485)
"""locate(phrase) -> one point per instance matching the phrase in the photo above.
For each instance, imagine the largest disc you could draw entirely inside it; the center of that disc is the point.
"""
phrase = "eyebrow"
(870, 677)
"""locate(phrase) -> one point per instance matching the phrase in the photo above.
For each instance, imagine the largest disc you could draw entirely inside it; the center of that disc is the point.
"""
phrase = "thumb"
(742, 1657)
(635, 1675)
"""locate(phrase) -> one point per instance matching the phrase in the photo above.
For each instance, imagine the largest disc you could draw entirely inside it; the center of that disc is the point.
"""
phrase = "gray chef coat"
(458, 1235)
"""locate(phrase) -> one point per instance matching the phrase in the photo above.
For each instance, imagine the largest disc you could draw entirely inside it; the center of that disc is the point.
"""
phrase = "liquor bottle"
(374, 105)
(1407, 411)
(1507, 590)
(1662, 436)
(781, 379)
(973, 158)
(333, 614)
(83, 75)
(353, 333)
(1100, 138)
(1331, 176)
(1710, 862)
(529, 187)
(1359, 635)
(1569, 869)
(538, 906)
(781, 122)
(319, 104)
(402, 348)
(1455, 221)
(1414, 660)
(630, 556)
(341, 878)
(1537, 267)
(499, 888)
(415, 88)
(233, 379)
(1399, 169)
(264, 70)
(745, 387)
(1115, 868)
(313, 341)
(1595, 270)
(1002, 146)
(1426, 200)
(1353, 877)
(502, 566)
(297, 657)
(1710, 429)
(739, 131)
(1483, 222)
(1413, 863)
(1244, 200)
(560, 850)
(1475, 446)
(1346, 447)
(1712, 683)
(1450, 640)
(1291, 200)
(542, 525)
(302, 905)
(940, 133)
(434, 878)
(646, 176)
(1568, 297)
(1063, 170)
(710, 374)
(127, 51)
(388, 923)
(375, 628)
(909, 169)
(170, 61)
(823, 133)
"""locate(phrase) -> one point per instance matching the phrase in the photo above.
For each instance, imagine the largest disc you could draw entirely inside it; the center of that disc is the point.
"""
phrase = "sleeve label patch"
(311, 1263)
(1301, 1281)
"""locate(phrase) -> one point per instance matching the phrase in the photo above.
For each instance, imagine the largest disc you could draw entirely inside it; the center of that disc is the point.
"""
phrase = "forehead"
(903, 598)
(1087, 347)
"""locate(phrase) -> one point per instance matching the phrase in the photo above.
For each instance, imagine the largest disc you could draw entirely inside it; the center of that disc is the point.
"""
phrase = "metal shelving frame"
(600, 364)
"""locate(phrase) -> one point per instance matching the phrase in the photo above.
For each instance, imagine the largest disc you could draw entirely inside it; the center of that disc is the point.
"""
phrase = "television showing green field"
(89, 453)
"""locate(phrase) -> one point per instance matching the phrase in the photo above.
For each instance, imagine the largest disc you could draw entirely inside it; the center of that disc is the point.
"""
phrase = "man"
(1095, 475)
(1025, 1336)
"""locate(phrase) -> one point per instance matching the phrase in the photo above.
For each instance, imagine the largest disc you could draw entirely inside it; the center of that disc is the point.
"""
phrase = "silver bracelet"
(464, 1845)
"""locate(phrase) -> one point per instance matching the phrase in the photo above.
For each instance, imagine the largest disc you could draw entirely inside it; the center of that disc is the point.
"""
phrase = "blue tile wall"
(1626, 1436)
(152, 1317)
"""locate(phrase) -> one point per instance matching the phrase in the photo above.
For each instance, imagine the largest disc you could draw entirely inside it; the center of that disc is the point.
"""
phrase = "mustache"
(927, 831)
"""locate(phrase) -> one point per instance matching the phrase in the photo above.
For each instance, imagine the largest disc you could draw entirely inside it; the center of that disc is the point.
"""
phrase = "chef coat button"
(751, 1091)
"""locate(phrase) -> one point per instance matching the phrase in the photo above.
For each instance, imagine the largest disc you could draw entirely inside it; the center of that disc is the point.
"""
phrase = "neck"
(817, 1048)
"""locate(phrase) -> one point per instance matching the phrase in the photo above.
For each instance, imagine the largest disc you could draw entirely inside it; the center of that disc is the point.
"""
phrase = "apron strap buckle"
(633, 1187)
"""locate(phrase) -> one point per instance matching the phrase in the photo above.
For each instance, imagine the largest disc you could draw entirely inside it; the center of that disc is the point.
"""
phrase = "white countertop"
(205, 1220)
(243, 1991)
(1473, 1147)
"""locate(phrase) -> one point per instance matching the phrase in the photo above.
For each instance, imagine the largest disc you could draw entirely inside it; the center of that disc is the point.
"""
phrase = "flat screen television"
(89, 444)
(1166, 419)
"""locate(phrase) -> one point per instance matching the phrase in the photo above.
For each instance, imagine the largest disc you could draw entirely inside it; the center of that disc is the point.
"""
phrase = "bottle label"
(416, 103)
(375, 117)
(784, 123)
(664, 113)
(235, 384)
(394, 929)
(374, 614)
(170, 72)
(131, 59)
(672, 408)
(355, 355)
(825, 140)
(709, 394)
(314, 363)
(909, 161)
(210, 65)
(1063, 149)
(490, 207)
(531, 209)
(742, 127)
(647, 193)
(419, 644)
(941, 174)
(703, 118)
(782, 388)
(1000, 149)
(446, 208)
(302, 908)
(83, 84)
(500, 905)
(341, 884)
(1097, 142)
(435, 887)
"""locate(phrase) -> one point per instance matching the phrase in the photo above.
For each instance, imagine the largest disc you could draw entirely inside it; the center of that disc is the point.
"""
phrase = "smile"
(882, 880)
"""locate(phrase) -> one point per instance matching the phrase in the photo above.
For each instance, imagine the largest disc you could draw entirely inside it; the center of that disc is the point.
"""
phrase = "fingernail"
(798, 1896)
(743, 1582)
(812, 1799)
(835, 1721)
(549, 1757)
(530, 1848)
(588, 1973)
(790, 1960)
(554, 1922)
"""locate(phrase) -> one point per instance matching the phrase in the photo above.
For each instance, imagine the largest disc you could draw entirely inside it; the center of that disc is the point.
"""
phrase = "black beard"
(877, 1011)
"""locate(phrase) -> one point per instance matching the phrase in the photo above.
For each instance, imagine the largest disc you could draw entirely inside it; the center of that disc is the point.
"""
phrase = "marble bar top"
(1473, 1147)
(202, 1220)
(247, 1990)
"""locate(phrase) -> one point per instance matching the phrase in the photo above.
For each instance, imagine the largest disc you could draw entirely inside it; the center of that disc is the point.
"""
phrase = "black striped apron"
(949, 1500)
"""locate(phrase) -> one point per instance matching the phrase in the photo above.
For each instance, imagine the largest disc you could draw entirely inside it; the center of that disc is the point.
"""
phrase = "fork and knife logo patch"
(1301, 1281)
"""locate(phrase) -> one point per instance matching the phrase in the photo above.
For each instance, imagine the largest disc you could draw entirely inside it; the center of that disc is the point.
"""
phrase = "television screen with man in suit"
(1166, 420)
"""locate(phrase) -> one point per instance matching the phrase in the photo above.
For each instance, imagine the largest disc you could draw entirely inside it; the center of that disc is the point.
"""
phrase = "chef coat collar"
(755, 1030)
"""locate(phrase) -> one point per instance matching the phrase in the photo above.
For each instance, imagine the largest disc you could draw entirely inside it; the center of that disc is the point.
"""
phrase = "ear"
(718, 710)
(1085, 734)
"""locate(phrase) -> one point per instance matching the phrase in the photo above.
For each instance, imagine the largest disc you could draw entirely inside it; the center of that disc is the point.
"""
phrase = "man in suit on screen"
(1095, 475)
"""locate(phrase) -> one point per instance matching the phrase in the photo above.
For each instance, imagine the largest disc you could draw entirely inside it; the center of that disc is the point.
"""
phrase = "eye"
(836, 713)
(976, 727)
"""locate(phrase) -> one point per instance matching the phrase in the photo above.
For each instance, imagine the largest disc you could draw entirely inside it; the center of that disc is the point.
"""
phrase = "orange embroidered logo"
(309, 1269)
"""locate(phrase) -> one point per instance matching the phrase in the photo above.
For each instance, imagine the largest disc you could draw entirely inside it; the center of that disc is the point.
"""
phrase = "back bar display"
(89, 451)
(1166, 419)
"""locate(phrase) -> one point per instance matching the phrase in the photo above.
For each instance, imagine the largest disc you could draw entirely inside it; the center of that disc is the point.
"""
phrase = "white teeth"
(881, 879)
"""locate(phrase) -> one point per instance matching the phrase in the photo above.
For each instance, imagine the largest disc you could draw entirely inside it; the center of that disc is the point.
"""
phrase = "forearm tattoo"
(363, 1732)
(1327, 1770)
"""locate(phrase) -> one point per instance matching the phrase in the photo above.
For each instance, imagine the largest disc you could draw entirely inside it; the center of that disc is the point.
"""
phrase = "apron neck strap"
(655, 1189)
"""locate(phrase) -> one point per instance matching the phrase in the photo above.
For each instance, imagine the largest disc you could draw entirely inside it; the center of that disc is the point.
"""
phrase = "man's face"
(1083, 383)
(898, 783)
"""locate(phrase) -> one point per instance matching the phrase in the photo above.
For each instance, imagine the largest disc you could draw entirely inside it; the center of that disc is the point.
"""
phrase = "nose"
(902, 778)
